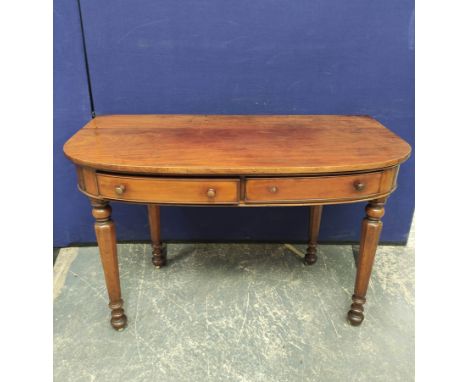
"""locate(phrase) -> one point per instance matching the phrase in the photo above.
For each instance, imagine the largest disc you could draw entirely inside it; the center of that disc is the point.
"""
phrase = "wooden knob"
(120, 189)
(211, 193)
(358, 185)
(273, 189)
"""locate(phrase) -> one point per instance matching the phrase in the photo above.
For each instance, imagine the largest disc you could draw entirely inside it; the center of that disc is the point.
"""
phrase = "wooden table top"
(235, 144)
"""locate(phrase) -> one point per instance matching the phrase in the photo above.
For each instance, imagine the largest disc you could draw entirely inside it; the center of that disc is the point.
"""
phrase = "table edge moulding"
(237, 161)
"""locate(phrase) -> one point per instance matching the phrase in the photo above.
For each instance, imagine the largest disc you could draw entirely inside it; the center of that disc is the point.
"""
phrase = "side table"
(234, 160)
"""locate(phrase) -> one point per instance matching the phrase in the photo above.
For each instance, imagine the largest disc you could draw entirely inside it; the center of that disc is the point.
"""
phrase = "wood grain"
(234, 144)
(295, 189)
(370, 234)
(236, 161)
(159, 252)
(169, 190)
(105, 235)
(314, 228)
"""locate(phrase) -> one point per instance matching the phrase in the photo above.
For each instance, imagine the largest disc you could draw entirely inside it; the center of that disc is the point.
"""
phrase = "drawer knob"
(273, 189)
(211, 193)
(358, 185)
(120, 189)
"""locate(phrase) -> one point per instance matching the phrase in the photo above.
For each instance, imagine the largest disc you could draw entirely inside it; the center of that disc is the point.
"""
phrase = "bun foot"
(356, 313)
(311, 255)
(355, 318)
(118, 318)
(159, 256)
(158, 262)
(120, 323)
(310, 260)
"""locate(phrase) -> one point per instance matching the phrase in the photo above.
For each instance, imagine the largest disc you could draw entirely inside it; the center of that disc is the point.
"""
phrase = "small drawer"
(320, 188)
(169, 190)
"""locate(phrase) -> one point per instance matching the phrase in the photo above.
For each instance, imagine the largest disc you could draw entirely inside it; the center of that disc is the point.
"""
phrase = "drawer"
(320, 188)
(169, 190)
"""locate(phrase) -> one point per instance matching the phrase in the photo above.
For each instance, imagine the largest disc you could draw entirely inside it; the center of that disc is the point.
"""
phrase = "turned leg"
(315, 216)
(159, 252)
(370, 233)
(105, 234)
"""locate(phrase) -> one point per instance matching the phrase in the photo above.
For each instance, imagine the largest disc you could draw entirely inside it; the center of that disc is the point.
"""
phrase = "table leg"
(105, 235)
(370, 233)
(315, 216)
(159, 252)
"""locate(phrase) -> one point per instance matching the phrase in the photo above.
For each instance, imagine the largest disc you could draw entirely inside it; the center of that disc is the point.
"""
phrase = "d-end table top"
(235, 144)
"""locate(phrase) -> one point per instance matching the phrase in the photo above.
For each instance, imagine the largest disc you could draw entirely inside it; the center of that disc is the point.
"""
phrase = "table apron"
(239, 191)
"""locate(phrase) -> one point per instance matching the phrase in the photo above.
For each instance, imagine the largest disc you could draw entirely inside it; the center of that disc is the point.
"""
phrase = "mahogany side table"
(234, 160)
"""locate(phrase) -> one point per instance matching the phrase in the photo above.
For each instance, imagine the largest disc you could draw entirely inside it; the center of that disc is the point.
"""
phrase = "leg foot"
(118, 317)
(105, 235)
(159, 251)
(311, 255)
(370, 233)
(315, 216)
(356, 313)
(159, 256)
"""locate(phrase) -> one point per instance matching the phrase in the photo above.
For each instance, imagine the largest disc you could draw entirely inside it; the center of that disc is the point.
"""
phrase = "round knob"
(119, 190)
(211, 193)
(273, 189)
(358, 185)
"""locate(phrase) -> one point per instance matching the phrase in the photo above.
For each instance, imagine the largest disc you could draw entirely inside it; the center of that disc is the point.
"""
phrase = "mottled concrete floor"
(234, 312)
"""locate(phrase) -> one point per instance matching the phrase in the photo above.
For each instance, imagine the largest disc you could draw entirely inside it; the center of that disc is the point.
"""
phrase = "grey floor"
(234, 312)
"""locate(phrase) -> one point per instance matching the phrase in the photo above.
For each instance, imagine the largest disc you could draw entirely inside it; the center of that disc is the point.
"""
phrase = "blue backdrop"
(242, 57)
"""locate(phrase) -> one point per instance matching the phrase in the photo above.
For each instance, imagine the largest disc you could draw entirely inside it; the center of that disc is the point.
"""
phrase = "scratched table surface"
(234, 312)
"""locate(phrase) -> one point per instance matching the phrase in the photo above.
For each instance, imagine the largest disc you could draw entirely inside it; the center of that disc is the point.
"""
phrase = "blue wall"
(242, 57)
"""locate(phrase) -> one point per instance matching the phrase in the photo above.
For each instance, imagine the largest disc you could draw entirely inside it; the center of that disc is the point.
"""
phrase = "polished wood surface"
(236, 161)
(315, 218)
(233, 144)
(370, 233)
(169, 190)
(314, 188)
(241, 191)
(159, 252)
(105, 235)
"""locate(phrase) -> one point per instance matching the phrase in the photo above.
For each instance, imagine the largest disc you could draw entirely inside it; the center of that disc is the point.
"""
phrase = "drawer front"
(303, 189)
(169, 190)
